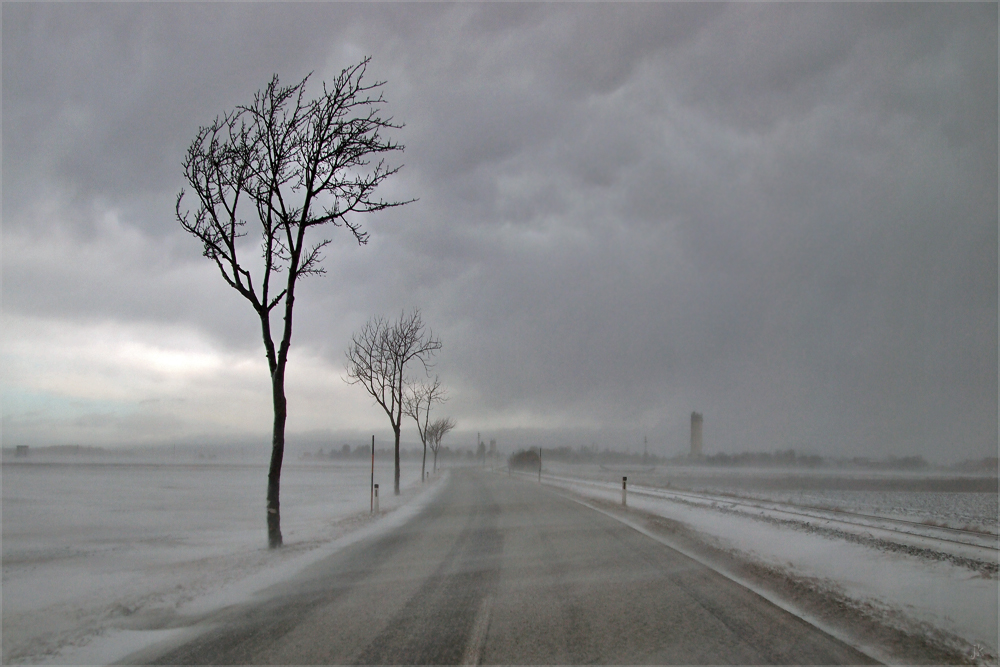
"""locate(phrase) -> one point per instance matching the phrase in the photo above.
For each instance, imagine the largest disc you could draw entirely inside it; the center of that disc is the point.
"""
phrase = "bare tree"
(377, 359)
(285, 165)
(417, 402)
(436, 432)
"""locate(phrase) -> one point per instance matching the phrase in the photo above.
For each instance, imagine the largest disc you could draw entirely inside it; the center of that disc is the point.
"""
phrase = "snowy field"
(94, 552)
(884, 553)
(972, 510)
(944, 498)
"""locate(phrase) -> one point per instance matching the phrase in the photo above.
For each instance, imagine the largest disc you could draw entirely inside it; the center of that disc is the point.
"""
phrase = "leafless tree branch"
(377, 358)
(283, 165)
(436, 432)
(418, 398)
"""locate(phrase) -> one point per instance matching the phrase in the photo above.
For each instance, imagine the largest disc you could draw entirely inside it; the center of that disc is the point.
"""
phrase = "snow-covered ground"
(99, 555)
(96, 553)
(923, 579)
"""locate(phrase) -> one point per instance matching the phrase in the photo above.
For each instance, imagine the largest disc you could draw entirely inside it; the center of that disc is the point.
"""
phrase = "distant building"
(696, 422)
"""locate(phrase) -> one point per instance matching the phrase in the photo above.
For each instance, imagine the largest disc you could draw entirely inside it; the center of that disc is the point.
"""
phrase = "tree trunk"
(396, 488)
(277, 454)
(423, 466)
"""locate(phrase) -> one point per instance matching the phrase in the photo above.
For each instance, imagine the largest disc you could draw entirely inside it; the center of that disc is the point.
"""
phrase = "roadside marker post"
(375, 500)
(372, 487)
(539, 464)
(624, 490)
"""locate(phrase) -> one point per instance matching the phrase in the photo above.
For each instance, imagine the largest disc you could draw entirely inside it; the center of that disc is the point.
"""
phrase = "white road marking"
(477, 640)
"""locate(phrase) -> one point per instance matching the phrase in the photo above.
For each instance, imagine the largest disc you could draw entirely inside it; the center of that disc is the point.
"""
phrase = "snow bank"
(955, 605)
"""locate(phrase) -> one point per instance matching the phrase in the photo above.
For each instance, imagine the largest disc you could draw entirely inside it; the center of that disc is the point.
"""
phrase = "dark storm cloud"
(104, 98)
(782, 216)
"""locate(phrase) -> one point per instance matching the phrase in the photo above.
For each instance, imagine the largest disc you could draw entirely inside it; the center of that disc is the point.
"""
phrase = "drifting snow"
(98, 557)
(944, 590)
(101, 559)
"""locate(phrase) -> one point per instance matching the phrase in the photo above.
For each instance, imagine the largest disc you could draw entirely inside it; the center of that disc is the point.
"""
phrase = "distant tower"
(696, 421)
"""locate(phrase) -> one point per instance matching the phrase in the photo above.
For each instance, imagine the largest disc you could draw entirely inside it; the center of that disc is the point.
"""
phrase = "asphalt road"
(500, 570)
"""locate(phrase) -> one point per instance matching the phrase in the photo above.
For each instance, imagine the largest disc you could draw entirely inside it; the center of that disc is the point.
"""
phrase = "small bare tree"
(285, 165)
(435, 433)
(417, 402)
(377, 359)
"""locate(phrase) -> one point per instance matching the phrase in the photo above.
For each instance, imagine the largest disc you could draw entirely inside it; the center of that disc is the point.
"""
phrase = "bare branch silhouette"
(418, 398)
(283, 165)
(377, 359)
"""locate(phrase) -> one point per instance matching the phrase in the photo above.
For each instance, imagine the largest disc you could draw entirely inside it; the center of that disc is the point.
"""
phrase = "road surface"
(501, 570)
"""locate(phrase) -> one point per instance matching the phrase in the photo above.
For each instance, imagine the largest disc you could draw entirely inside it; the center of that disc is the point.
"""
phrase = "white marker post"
(372, 487)
(624, 490)
(375, 500)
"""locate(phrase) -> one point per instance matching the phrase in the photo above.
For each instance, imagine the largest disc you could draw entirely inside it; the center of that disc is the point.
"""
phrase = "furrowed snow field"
(918, 576)
(960, 510)
(851, 490)
(97, 553)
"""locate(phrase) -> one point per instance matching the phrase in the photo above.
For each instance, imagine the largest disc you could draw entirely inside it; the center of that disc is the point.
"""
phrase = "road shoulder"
(818, 603)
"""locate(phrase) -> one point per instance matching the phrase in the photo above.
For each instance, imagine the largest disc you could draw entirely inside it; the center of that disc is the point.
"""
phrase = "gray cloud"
(782, 216)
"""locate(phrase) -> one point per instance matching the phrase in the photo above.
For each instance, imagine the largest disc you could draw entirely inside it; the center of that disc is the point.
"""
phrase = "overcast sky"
(781, 216)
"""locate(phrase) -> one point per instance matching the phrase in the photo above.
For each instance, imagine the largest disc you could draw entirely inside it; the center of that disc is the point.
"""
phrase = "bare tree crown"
(418, 398)
(378, 355)
(287, 164)
(437, 430)
(377, 359)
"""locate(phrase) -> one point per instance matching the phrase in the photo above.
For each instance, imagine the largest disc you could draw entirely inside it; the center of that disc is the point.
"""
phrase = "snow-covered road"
(499, 570)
